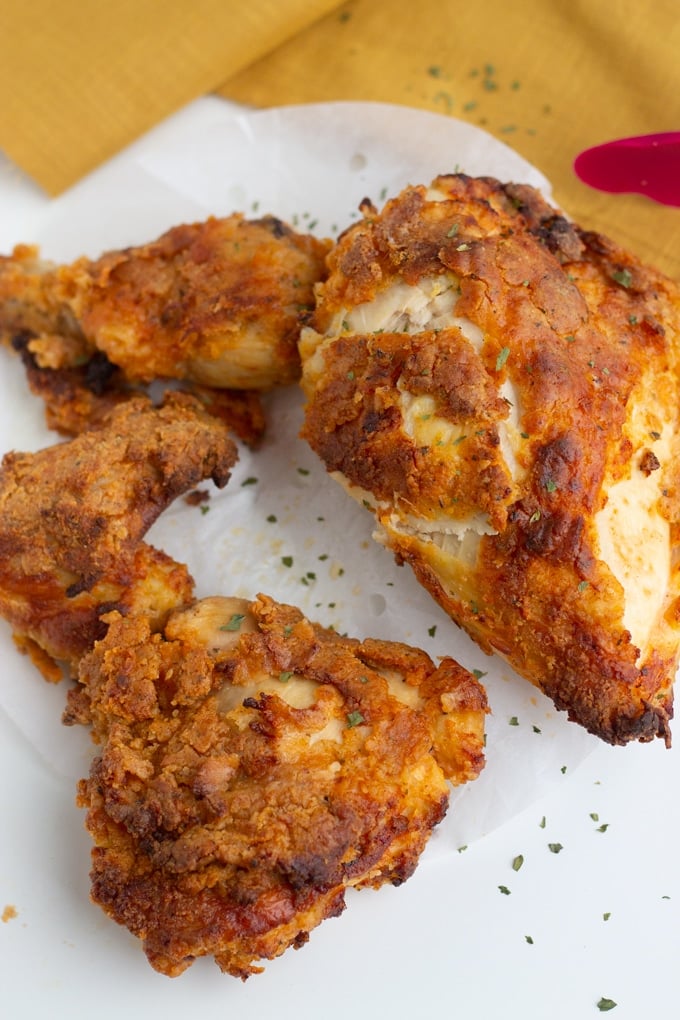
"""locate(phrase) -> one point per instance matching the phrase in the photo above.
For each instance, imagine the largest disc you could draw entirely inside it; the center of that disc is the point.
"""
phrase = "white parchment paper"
(311, 166)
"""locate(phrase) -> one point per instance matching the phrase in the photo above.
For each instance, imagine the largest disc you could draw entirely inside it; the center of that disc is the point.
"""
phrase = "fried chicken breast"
(217, 304)
(500, 387)
(254, 766)
(73, 517)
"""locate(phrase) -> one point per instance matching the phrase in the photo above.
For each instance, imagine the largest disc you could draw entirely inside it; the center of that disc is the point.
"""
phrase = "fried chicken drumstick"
(254, 766)
(501, 388)
(217, 305)
(73, 516)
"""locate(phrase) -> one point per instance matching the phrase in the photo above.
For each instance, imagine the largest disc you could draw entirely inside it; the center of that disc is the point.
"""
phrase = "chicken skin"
(254, 766)
(500, 387)
(73, 516)
(217, 304)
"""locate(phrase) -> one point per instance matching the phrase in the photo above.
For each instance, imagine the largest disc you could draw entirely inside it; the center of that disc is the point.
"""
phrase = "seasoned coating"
(73, 516)
(218, 304)
(253, 766)
(501, 388)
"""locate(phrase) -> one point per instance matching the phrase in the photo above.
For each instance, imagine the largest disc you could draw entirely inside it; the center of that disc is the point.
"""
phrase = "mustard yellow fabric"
(79, 79)
(548, 77)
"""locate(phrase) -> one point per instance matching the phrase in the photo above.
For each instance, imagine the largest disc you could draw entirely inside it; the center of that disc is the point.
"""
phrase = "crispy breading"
(501, 387)
(217, 305)
(73, 516)
(254, 766)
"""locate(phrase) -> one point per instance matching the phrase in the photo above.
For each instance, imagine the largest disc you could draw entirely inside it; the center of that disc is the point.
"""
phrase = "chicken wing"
(76, 397)
(81, 396)
(218, 304)
(501, 388)
(73, 516)
(254, 766)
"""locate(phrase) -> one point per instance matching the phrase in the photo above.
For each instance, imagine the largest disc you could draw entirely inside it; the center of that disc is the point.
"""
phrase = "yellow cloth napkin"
(548, 77)
(79, 79)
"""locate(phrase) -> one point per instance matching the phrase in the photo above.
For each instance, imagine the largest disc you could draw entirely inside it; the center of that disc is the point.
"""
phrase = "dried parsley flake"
(623, 276)
(234, 623)
(502, 358)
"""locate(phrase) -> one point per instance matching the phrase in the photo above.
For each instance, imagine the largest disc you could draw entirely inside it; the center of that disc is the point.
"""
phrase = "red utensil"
(646, 164)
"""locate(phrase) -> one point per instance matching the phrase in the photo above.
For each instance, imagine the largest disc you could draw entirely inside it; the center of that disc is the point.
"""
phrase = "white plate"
(312, 166)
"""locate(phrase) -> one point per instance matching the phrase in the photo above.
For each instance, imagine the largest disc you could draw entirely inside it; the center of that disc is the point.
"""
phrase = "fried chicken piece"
(254, 766)
(501, 387)
(73, 516)
(219, 304)
(78, 397)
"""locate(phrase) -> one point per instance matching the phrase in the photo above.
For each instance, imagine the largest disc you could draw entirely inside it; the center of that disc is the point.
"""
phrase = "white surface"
(448, 940)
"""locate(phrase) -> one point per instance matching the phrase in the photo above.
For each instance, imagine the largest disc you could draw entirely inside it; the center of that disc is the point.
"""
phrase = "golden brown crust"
(73, 516)
(219, 303)
(579, 342)
(246, 779)
(198, 292)
(365, 441)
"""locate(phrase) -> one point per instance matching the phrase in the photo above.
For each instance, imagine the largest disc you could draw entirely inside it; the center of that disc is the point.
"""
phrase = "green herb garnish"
(502, 358)
(623, 276)
(235, 622)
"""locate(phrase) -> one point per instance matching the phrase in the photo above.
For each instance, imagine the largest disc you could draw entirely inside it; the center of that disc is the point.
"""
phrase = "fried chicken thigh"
(217, 304)
(73, 516)
(501, 388)
(254, 766)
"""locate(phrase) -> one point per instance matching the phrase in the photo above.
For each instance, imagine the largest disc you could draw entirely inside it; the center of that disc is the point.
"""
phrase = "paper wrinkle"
(293, 163)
